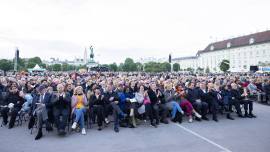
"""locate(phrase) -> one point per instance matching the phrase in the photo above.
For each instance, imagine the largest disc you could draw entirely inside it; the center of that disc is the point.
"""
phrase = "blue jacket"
(123, 99)
(226, 93)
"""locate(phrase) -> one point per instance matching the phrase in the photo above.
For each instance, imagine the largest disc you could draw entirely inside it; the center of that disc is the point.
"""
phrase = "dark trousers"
(201, 108)
(148, 111)
(101, 115)
(163, 107)
(215, 106)
(223, 101)
(13, 114)
(61, 125)
(115, 109)
(237, 105)
(246, 103)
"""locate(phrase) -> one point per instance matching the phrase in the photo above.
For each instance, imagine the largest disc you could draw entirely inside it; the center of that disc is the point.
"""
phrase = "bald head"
(60, 88)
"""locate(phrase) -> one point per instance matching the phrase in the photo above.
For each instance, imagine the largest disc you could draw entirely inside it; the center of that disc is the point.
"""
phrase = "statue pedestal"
(91, 64)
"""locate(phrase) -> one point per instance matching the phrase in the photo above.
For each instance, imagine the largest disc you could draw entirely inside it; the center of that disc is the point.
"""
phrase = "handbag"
(146, 101)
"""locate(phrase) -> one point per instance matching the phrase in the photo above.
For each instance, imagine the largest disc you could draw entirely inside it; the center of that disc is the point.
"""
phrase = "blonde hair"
(166, 85)
(75, 90)
(49, 88)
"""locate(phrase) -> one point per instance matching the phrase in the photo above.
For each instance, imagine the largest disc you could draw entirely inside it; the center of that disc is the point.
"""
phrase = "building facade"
(76, 61)
(186, 62)
(242, 52)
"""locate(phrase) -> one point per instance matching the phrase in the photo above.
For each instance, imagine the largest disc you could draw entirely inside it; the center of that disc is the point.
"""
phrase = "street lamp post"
(138, 69)
(51, 59)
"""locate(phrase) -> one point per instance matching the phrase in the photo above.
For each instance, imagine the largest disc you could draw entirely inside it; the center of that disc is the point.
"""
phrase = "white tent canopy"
(36, 68)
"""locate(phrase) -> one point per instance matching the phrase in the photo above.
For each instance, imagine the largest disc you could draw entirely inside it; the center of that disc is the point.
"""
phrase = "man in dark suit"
(157, 102)
(111, 103)
(240, 97)
(215, 92)
(203, 92)
(194, 98)
(41, 106)
(61, 102)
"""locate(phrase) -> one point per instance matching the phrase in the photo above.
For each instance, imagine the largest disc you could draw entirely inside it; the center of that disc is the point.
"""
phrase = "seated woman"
(144, 105)
(28, 87)
(184, 103)
(78, 107)
(170, 98)
(127, 105)
(96, 106)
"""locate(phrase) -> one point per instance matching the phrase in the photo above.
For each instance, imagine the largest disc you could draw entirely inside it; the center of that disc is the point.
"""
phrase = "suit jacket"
(154, 98)
(47, 101)
(67, 101)
(108, 95)
(252, 88)
(236, 94)
(95, 101)
(205, 97)
(193, 95)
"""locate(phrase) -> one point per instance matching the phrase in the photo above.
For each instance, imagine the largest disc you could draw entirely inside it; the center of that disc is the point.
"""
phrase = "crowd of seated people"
(55, 98)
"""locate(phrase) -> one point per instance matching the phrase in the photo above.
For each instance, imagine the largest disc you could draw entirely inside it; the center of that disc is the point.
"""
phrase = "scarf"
(127, 95)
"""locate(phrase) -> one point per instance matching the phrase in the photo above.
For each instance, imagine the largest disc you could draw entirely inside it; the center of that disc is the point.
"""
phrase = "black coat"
(236, 94)
(67, 101)
(13, 98)
(205, 97)
(108, 95)
(193, 95)
(153, 97)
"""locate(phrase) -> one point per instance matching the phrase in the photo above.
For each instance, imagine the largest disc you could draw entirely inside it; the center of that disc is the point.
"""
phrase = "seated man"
(240, 97)
(41, 106)
(15, 106)
(266, 89)
(215, 92)
(194, 98)
(254, 90)
(111, 103)
(157, 102)
(61, 102)
(206, 97)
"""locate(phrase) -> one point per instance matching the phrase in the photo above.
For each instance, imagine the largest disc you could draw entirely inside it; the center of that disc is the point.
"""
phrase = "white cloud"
(120, 29)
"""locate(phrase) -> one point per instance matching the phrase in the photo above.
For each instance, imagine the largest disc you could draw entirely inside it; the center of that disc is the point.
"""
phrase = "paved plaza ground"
(239, 135)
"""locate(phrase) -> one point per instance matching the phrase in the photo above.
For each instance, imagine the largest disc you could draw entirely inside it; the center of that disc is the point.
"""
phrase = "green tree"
(42, 65)
(105, 65)
(36, 60)
(57, 67)
(166, 66)
(215, 69)
(190, 69)
(113, 66)
(126, 67)
(207, 70)
(224, 65)
(200, 69)
(30, 65)
(121, 64)
(129, 61)
(5, 66)
(65, 67)
(133, 67)
(176, 67)
(138, 64)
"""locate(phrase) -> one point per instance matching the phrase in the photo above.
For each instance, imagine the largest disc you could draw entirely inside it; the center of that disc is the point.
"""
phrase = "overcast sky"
(118, 29)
